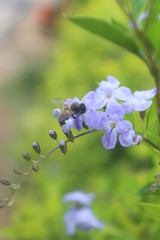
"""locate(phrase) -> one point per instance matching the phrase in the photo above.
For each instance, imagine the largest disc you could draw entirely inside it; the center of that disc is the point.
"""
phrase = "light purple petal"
(143, 15)
(87, 220)
(103, 122)
(70, 220)
(101, 99)
(130, 138)
(124, 126)
(69, 101)
(109, 139)
(128, 106)
(75, 123)
(113, 81)
(89, 100)
(126, 139)
(110, 82)
(122, 93)
(82, 218)
(79, 197)
(92, 119)
(142, 105)
(115, 109)
(148, 94)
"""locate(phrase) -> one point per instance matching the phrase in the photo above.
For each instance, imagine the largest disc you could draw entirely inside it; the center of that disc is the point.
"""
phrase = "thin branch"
(151, 143)
(24, 176)
(151, 62)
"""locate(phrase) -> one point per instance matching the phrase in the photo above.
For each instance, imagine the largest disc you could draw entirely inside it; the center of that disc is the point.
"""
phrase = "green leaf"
(152, 116)
(153, 137)
(114, 32)
(152, 210)
(153, 28)
(119, 26)
(137, 5)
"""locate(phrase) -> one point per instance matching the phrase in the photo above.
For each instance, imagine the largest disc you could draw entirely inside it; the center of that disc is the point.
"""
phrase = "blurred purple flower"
(79, 197)
(82, 218)
(139, 101)
(143, 15)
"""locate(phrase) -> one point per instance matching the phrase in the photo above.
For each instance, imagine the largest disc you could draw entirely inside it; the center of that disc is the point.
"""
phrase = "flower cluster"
(105, 110)
(80, 215)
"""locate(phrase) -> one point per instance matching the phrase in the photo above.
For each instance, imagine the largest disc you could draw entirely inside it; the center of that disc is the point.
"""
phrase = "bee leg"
(74, 116)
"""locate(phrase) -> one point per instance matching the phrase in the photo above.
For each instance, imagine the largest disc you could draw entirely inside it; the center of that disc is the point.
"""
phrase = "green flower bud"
(142, 114)
(10, 203)
(26, 156)
(35, 167)
(36, 147)
(2, 205)
(18, 171)
(53, 134)
(14, 186)
(63, 146)
(5, 182)
(68, 132)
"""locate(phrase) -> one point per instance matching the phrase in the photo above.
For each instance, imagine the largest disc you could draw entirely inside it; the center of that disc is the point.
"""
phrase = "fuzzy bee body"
(67, 111)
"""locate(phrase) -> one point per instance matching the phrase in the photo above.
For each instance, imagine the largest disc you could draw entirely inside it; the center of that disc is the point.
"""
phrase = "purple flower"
(82, 218)
(113, 124)
(129, 138)
(79, 197)
(139, 101)
(109, 92)
(143, 15)
(91, 118)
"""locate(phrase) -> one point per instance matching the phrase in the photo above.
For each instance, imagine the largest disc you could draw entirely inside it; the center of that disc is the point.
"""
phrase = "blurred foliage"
(79, 60)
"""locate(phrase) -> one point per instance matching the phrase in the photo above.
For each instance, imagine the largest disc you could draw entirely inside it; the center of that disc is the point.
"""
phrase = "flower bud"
(5, 182)
(1, 212)
(2, 204)
(10, 203)
(35, 167)
(63, 146)
(157, 176)
(56, 112)
(14, 186)
(53, 134)
(18, 171)
(142, 114)
(26, 156)
(36, 147)
(68, 132)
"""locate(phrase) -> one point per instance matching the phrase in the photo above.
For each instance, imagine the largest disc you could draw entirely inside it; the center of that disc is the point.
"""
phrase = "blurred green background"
(75, 62)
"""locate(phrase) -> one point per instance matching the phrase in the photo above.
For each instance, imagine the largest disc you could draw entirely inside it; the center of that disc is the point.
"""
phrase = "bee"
(67, 111)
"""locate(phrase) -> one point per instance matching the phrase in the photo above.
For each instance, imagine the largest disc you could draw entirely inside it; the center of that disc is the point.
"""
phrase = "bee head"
(82, 108)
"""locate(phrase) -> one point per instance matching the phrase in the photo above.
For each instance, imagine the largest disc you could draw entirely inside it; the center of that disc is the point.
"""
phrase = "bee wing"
(59, 102)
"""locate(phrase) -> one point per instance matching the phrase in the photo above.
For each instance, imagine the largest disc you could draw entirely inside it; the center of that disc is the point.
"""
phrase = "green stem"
(23, 177)
(151, 143)
(150, 60)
